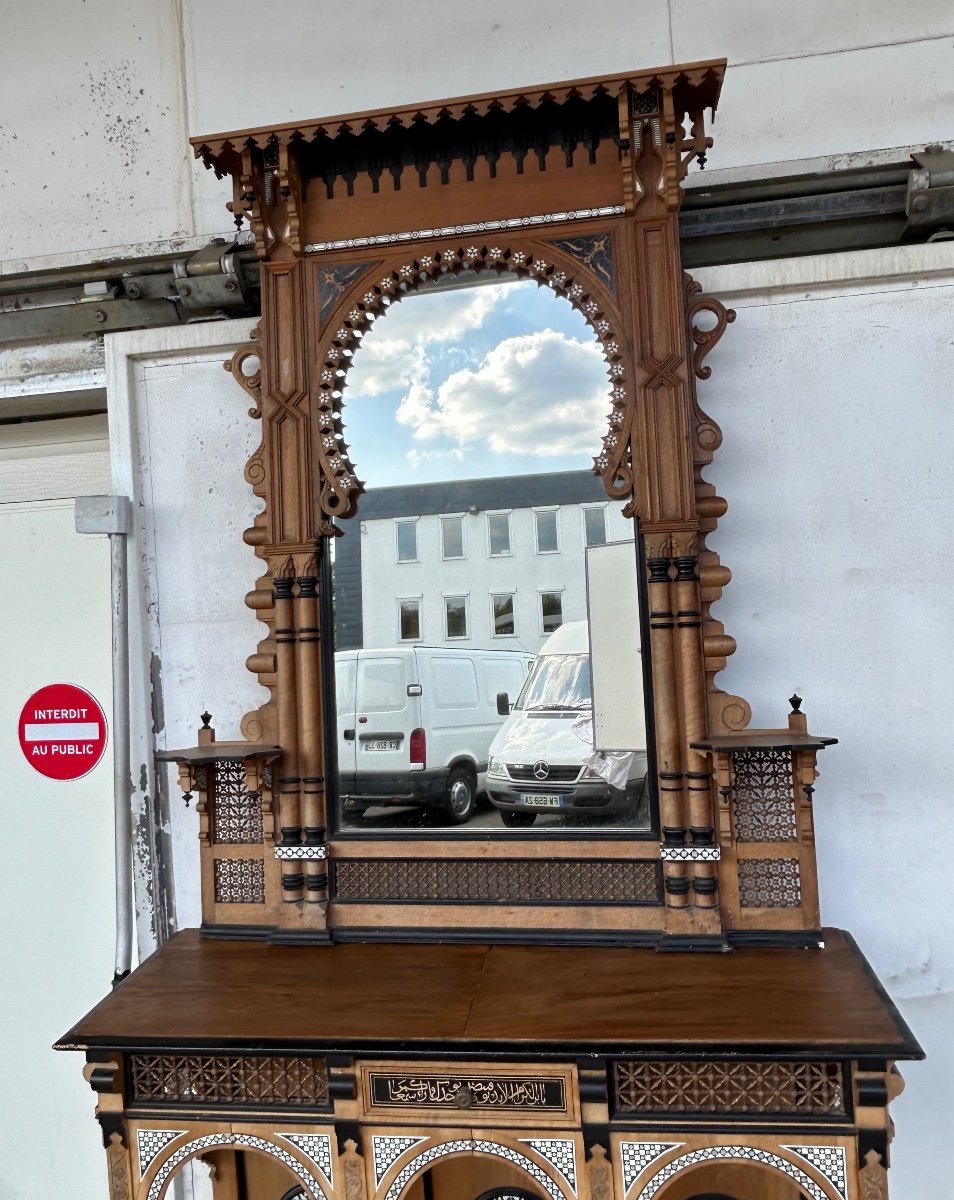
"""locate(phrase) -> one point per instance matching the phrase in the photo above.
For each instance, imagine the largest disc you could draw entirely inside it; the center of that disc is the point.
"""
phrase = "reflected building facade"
(488, 563)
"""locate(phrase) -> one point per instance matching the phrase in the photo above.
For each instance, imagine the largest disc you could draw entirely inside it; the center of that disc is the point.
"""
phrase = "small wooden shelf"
(216, 752)
(780, 739)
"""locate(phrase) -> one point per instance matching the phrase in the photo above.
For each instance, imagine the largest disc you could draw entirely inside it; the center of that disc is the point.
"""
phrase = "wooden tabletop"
(199, 992)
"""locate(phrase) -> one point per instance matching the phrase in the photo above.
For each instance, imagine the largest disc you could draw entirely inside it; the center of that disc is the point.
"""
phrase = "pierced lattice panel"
(236, 815)
(808, 1088)
(769, 883)
(512, 881)
(763, 796)
(237, 1081)
(239, 880)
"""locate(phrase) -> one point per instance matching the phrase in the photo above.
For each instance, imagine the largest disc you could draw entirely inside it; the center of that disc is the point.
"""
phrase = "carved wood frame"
(367, 247)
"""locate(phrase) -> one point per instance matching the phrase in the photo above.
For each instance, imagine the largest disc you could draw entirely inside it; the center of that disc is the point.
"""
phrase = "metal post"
(111, 515)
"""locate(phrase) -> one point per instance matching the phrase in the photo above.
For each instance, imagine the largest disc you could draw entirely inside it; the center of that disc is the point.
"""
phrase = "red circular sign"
(62, 731)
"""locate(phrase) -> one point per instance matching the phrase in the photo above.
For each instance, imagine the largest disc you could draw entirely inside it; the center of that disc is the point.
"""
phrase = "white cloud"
(541, 394)
(385, 364)
(446, 316)
(393, 353)
(417, 458)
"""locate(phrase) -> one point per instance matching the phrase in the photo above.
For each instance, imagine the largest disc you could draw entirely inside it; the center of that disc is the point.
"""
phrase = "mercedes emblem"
(541, 769)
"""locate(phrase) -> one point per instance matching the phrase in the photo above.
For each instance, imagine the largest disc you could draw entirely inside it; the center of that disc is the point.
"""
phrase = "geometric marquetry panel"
(726, 1086)
(828, 1161)
(316, 1147)
(635, 1157)
(386, 1149)
(228, 1081)
(150, 1142)
(560, 1153)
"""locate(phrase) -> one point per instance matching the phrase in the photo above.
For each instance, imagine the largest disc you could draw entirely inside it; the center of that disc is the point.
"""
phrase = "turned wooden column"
(289, 781)
(310, 755)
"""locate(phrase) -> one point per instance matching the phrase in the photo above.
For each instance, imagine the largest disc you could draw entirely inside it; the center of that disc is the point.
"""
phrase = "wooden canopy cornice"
(691, 86)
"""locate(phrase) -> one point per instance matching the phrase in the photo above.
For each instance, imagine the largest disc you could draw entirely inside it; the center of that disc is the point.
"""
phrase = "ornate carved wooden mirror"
(569, 194)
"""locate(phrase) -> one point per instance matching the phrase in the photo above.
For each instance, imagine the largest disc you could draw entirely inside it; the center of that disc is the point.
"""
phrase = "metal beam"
(862, 208)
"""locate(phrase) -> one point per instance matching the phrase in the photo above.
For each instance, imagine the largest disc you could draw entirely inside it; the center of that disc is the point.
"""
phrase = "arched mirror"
(489, 648)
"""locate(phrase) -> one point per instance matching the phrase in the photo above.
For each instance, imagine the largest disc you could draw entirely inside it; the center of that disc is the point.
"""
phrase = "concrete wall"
(93, 132)
(833, 400)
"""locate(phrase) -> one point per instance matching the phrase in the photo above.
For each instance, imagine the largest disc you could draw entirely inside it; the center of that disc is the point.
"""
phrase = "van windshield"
(558, 682)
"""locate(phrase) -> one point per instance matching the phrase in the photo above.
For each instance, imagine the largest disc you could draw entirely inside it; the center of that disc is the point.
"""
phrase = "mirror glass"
(467, 639)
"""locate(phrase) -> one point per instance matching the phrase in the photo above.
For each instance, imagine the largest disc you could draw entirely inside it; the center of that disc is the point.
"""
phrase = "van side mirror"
(503, 704)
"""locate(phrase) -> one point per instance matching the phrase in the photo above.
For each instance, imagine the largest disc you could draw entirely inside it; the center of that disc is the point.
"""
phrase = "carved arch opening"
(161, 1169)
(400, 277)
(657, 1183)
(426, 1158)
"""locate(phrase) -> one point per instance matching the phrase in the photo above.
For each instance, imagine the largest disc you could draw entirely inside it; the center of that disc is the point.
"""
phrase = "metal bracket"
(930, 200)
(210, 278)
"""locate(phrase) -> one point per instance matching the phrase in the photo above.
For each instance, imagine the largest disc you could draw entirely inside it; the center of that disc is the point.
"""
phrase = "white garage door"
(56, 856)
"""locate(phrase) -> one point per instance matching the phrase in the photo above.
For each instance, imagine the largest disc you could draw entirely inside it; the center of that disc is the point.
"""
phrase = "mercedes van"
(536, 761)
(415, 724)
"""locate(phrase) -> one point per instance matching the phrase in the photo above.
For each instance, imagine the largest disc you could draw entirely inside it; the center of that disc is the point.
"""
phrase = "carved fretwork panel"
(519, 881)
(770, 883)
(239, 880)
(763, 796)
(236, 814)
(228, 1082)
(815, 1089)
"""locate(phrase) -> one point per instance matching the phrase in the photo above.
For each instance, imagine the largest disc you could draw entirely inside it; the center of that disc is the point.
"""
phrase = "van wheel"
(516, 820)
(460, 797)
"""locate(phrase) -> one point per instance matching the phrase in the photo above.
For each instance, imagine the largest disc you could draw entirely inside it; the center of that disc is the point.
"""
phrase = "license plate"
(383, 744)
(541, 800)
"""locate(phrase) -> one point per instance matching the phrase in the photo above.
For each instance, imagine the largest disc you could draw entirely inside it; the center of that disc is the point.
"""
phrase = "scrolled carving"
(704, 340)
(252, 381)
(733, 712)
(255, 469)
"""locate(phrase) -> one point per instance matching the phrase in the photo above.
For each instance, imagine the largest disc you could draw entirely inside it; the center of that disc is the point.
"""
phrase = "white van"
(415, 724)
(536, 760)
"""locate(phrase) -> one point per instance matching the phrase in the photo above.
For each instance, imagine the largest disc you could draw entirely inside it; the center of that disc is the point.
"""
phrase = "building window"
(502, 614)
(498, 534)
(455, 616)
(548, 541)
(452, 537)
(551, 610)
(409, 620)
(594, 525)
(406, 536)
